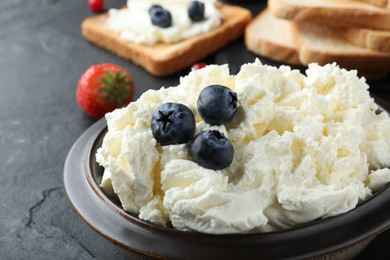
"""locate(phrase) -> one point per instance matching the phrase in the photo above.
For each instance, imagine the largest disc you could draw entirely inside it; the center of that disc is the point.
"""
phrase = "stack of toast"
(354, 34)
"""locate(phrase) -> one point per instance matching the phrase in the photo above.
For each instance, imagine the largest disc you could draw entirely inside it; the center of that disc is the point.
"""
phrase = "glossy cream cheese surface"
(306, 147)
(134, 24)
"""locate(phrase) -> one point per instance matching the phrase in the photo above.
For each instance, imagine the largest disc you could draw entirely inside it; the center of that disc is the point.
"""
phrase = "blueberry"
(173, 123)
(154, 8)
(217, 104)
(196, 11)
(160, 17)
(212, 150)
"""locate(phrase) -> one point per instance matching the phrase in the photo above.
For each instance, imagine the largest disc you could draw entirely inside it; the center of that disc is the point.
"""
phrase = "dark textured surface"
(42, 55)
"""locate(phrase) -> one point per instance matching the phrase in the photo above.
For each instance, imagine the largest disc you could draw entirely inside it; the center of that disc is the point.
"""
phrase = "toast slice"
(376, 40)
(322, 45)
(332, 12)
(164, 59)
(272, 38)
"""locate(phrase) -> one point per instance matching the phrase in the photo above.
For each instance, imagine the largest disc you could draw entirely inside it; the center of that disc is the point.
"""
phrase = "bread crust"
(272, 38)
(332, 12)
(164, 59)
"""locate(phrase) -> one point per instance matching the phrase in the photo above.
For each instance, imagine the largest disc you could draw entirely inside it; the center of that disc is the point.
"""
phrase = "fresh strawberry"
(96, 5)
(103, 88)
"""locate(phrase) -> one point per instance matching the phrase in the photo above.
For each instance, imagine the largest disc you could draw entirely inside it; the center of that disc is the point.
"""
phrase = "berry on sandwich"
(159, 16)
(196, 11)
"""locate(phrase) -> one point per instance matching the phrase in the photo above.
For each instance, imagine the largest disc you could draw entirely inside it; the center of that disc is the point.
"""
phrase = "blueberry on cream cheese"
(160, 16)
(196, 11)
(173, 123)
(212, 150)
(217, 104)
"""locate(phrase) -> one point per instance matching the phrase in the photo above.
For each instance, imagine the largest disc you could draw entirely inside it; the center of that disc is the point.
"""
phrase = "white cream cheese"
(134, 24)
(306, 147)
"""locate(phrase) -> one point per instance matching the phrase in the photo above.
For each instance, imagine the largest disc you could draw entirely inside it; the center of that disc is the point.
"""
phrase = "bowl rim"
(335, 232)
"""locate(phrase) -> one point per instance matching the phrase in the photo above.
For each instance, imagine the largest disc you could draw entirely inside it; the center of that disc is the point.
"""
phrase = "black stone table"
(42, 56)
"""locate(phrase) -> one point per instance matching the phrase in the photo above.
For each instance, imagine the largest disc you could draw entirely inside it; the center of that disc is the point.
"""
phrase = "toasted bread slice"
(163, 59)
(376, 40)
(332, 12)
(272, 37)
(322, 45)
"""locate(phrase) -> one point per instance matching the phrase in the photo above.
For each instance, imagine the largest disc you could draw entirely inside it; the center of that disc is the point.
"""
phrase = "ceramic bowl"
(339, 237)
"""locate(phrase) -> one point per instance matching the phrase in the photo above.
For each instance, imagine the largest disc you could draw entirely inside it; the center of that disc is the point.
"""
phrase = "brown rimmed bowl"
(339, 237)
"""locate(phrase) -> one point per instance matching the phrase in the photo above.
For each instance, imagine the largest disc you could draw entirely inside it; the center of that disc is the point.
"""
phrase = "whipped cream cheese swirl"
(306, 147)
(134, 25)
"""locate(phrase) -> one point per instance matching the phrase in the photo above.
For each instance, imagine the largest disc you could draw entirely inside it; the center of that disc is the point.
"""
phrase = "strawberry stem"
(116, 88)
